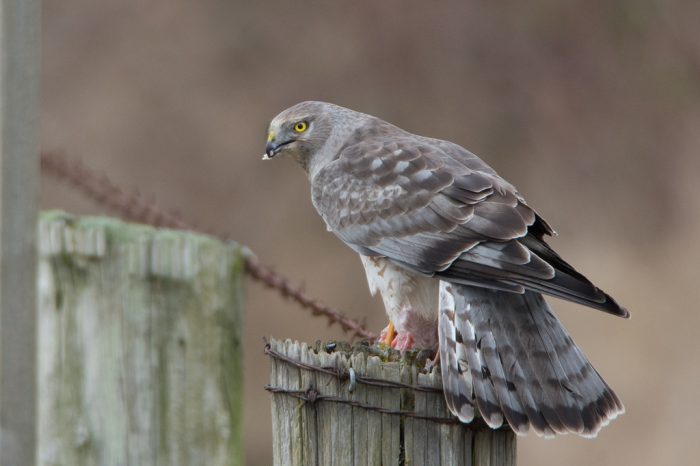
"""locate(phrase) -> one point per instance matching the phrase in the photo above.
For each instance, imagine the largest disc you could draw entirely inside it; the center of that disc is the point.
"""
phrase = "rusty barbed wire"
(312, 396)
(131, 205)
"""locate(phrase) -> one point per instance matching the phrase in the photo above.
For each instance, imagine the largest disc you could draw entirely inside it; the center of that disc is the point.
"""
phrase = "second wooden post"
(360, 405)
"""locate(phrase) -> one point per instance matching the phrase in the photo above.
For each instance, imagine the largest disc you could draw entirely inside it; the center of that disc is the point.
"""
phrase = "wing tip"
(610, 305)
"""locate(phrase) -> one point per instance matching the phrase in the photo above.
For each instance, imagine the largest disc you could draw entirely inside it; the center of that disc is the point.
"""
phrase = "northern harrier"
(461, 263)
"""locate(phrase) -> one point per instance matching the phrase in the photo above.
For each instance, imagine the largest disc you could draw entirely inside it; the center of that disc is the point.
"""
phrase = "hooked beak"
(272, 148)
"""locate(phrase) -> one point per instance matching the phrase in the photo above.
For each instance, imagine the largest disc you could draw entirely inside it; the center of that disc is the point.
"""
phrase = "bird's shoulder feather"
(386, 183)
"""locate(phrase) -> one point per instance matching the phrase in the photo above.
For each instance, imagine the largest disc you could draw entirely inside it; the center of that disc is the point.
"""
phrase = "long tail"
(507, 356)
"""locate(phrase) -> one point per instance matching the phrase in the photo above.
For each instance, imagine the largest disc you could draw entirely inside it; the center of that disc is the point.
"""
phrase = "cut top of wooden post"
(338, 404)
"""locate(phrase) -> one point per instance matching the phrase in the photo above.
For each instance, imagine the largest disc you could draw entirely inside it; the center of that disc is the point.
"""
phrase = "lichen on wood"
(140, 345)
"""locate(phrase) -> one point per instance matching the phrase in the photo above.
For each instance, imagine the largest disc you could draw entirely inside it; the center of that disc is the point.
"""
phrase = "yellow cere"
(300, 127)
(270, 136)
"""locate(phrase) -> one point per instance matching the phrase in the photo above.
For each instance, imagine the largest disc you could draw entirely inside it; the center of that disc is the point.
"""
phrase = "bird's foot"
(387, 335)
(403, 342)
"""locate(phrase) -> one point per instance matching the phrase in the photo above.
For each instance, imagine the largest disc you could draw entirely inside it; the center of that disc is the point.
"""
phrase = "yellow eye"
(301, 127)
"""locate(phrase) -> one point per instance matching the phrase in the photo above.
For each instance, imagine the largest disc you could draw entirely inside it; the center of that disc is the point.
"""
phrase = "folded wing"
(437, 209)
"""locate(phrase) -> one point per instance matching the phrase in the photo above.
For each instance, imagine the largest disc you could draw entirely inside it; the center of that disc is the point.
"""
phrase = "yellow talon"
(390, 334)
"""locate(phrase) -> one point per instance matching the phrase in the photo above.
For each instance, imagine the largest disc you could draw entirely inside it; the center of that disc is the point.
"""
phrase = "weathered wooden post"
(140, 345)
(364, 406)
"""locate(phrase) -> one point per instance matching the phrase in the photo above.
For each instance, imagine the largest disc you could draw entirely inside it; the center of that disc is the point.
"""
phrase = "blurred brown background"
(591, 108)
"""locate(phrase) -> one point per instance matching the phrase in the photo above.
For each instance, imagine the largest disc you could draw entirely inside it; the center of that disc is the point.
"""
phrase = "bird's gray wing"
(437, 209)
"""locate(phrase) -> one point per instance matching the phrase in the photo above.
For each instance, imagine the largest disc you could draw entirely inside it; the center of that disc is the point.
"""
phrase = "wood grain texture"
(140, 355)
(338, 433)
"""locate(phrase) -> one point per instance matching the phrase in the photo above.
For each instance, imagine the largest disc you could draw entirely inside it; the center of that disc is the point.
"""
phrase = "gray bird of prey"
(461, 263)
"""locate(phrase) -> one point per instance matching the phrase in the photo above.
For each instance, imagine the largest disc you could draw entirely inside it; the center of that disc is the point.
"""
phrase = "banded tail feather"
(507, 357)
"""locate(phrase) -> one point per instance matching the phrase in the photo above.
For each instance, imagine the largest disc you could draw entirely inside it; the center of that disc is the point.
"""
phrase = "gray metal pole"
(19, 172)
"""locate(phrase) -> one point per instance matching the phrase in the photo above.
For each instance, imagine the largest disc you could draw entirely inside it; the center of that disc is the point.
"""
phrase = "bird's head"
(300, 131)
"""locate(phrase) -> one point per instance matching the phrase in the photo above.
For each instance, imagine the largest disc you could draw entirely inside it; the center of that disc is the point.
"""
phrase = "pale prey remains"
(461, 263)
